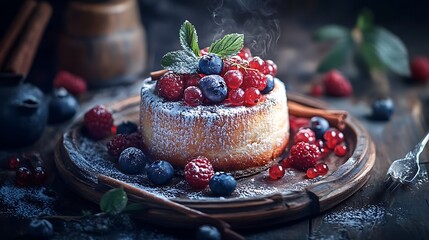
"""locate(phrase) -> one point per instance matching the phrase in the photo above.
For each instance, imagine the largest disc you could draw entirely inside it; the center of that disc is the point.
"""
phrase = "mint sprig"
(114, 201)
(181, 61)
(228, 46)
(189, 39)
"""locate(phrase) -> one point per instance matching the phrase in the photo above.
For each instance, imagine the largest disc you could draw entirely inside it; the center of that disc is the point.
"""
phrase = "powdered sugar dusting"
(359, 218)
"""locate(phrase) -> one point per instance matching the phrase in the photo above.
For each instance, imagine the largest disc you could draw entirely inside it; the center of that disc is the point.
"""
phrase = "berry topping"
(245, 53)
(322, 168)
(270, 85)
(127, 127)
(382, 109)
(233, 79)
(98, 122)
(222, 184)
(208, 232)
(251, 96)
(191, 79)
(198, 172)
(160, 172)
(193, 96)
(312, 173)
(204, 51)
(122, 141)
(236, 97)
(257, 63)
(210, 64)
(297, 122)
(132, 161)
(337, 85)
(40, 176)
(276, 172)
(286, 163)
(269, 68)
(304, 135)
(333, 137)
(170, 86)
(74, 84)
(419, 67)
(254, 78)
(40, 229)
(214, 88)
(62, 106)
(14, 162)
(340, 150)
(304, 155)
(319, 126)
(23, 176)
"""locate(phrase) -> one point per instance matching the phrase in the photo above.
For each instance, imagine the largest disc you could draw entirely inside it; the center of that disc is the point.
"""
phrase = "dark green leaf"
(365, 20)
(338, 56)
(134, 207)
(388, 49)
(189, 38)
(229, 45)
(114, 201)
(331, 32)
(180, 62)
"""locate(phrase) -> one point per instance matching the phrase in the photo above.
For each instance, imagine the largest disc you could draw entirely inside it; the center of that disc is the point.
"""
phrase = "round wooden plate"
(257, 201)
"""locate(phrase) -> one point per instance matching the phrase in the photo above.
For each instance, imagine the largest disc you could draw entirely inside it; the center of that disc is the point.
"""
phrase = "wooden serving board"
(257, 201)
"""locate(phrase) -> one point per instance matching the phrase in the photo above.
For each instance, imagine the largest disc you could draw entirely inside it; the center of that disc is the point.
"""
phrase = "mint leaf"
(331, 32)
(114, 201)
(365, 20)
(189, 38)
(338, 56)
(229, 45)
(181, 61)
(388, 49)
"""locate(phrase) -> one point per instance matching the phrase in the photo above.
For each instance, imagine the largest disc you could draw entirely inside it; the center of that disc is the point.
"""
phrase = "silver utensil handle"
(419, 147)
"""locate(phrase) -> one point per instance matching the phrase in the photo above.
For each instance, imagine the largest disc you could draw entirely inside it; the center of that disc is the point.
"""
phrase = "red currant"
(14, 162)
(276, 172)
(245, 53)
(257, 63)
(40, 175)
(233, 79)
(193, 96)
(236, 97)
(305, 135)
(333, 137)
(340, 150)
(23, 176)
(312, 173)
(322, 168)
(270, 68)
(251, 96)
(286, 163)
(232, 63)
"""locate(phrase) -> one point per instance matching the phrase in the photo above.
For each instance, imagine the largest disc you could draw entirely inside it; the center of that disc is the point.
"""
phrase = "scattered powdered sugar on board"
(358, 218)
(25, 202)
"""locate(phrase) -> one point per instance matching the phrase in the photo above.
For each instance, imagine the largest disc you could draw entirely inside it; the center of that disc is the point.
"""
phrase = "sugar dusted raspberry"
(72, 83)
(170, 86)
(254, 78)
(198, 172)
(304, 155)
(98, 122)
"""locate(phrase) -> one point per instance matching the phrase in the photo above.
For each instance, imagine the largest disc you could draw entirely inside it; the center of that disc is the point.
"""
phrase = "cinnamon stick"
(157, 74)
(22, 57)
(335, 117)
(223, 226)
(15, 29)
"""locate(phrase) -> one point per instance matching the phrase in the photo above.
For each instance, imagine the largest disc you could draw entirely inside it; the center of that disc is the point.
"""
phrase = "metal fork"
(405, 170)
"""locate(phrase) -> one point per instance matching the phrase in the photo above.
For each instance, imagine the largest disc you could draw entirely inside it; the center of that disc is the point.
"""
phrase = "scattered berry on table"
(213, 88)
(236, 97)
(340, 150)
(257, 63)
(40, 229)
(14, 162)
(254, 78)
(270, 85)
(222, 184)
(304, 155)
(62, 106)
(419, 67)
(23, 176)
(251, 96)
(191, 79)
(193, 96)
(319, 126)
(160, 172)
(336, 84)
(198, 172)
(210, 64)
(40, 175)
(322, 168)
(333, 137)
(312, 173)
(233, 79)
(132, 161)
(98, 122)
(127, 127)
(170, 86)
(382, 109)
(74, 84)
(304, 135)
(208, 232)
(276, 172)
(245, 53)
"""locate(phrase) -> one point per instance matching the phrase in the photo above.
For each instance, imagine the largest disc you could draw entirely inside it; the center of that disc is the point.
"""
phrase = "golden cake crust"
(241, 140)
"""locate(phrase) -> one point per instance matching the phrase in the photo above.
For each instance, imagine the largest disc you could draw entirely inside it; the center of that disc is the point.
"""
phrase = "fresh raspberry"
(337, 85)
(304, 155)
(420, 69)
(170, 86)
(269, 68)
(98, 122)
(305, 135)
(198, 172)
(257, 63)
(72, 83)
(191, 79)
(254, 78)
(122, 141)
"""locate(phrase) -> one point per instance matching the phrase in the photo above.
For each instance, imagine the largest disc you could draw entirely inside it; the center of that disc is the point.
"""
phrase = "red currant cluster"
(310, 148)
(29, 169)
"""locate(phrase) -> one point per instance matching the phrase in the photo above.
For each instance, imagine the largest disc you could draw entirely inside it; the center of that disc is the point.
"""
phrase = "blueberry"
(62, 106)
(127, 127)
(160, 172)
(222, 184)
(40, 229)
(270, 85)
(132, 161)
(382, 109)
(207, 232)
(210, 64)
(319, 126)
(214, 88)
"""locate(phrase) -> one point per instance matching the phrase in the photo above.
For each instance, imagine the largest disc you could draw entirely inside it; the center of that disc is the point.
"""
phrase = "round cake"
(237, 139)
